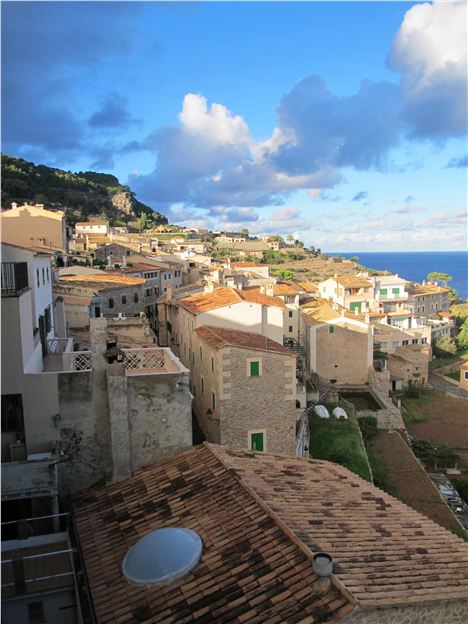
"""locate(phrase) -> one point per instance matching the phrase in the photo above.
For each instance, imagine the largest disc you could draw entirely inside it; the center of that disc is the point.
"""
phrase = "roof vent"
(323, 564)
(162, 556)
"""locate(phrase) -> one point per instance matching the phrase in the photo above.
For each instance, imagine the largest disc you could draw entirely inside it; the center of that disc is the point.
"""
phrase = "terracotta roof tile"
(103, 280)
(385, 553)
(285, 288)
(418, 290)
(353, 282)
(250, 570)
(245, 265)
(219, 337)
(220, 297)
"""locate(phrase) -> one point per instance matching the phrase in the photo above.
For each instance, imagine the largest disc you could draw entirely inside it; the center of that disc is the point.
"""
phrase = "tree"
(290, 238)
(435, 276)
(143, 221)
(245, 232)
(444, 346)
(462, 338)
(298, 243)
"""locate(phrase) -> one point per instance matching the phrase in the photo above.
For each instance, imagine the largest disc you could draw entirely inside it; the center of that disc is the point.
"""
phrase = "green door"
(256, 441)
(355, 306)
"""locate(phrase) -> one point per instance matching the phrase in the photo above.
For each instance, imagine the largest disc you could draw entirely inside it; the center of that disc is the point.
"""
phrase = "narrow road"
(445, 386)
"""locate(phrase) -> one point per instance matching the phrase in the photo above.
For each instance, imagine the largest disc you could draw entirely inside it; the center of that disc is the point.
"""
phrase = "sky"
(341, 123)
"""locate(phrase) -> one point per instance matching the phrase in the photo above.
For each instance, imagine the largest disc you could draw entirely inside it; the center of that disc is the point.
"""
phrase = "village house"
(244, 310)
(353, 293)
(395, 330)
(92, 228)
(410, 364)
(259, 525)
(244, 387)
(34, 226)
(426, 300)
(338, 346)
(389, 293)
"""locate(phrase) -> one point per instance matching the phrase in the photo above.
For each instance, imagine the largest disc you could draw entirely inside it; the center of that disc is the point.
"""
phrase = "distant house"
(426, 300)
(92, 228)
(353, 293)
(260, 519)
(410, 363)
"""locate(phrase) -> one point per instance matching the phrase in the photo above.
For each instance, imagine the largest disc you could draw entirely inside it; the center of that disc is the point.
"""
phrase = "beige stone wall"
(342, 354)
(414, 367)
(208, 366)
(26, 225)
(454, 612)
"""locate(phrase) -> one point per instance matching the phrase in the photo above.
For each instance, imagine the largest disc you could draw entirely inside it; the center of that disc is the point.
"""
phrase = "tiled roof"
(92, 223)
(220, 297)
(308, 287)
(245, 265)
(219, 337)
(283, 288)
(385, 553)
(320, 312)
(102, 280)
(417, 290)
(252, 568)
(353, 282)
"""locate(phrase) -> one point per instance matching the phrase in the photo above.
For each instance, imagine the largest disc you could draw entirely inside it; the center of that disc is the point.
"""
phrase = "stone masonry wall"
(342, 355)
(260, 403)
(453, 612)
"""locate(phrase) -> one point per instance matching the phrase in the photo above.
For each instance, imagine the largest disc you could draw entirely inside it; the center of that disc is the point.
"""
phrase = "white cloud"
(430, 49)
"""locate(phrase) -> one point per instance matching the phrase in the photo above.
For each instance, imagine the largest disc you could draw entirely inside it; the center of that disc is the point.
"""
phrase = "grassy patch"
(338, 440)
(450, 359)
(414, 407)
(455, 375)
(363, 401)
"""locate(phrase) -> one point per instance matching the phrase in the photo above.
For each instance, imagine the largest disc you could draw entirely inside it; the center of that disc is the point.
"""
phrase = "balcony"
(34, 477)
(152, 361)
(14, 278)
(61, 358)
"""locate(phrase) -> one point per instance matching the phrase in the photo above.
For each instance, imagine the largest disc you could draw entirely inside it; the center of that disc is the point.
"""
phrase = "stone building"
(426, 300)
(410, 363)
(244, 388)
(33, 226)
(354, 293)
(261, 521)
(338, 347)
(132, 408)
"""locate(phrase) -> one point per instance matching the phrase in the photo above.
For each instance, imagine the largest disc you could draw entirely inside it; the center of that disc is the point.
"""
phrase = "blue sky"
(342, 123)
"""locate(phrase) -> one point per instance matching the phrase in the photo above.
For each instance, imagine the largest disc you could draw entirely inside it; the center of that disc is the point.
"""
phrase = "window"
(193, 357)
(124, 299)
(48, 319)
(415, 341)
(290, 329)
(156, 290)
(12, 412)
(213, 400)
(111, 303)
(395, 291)
(423, 340)
(202, 386)
(383, 293)
(128, 253)
(256, 440)
(290, 313)
(331, 329)
(405, 342)
(254, 369)
(43, 276)
(36, 612)
(148, 292)
(212, 365)
(38, 279)
(48, 278)
(201, 353)
(383, 345)
(466, 374)
(135, 297)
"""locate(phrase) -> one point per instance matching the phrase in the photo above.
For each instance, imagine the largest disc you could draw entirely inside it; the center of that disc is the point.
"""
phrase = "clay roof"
(219, 337)
(308, 287)
(252, 568)
(418, 290)
(242, 265)
(320, 311)
(353, 282)
(261, 517)
(385, 553)
(47, 251)
(220, 297)
(138, 266)
(465, 364)
(102, 280)
(285, 288)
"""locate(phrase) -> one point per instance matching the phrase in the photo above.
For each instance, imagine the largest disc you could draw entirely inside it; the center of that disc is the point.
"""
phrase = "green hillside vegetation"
(80, 194)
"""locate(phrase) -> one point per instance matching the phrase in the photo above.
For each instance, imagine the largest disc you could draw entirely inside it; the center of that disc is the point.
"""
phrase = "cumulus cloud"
(458, 163)
(430, 51)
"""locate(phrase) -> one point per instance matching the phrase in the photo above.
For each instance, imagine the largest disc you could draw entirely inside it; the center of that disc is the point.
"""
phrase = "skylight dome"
(162, 556)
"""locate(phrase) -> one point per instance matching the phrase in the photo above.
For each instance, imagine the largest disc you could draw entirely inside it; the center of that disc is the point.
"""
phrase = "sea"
(415, 265)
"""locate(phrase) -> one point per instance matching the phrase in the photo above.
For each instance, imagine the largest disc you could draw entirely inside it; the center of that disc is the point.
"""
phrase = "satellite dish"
(162, 556)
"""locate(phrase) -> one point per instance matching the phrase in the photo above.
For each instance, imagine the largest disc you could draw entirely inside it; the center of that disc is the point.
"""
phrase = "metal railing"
(14, 277)
(59, 345)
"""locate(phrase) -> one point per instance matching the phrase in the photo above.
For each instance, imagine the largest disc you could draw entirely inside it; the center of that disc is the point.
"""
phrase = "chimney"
(14, 205)
(209, 287)
(124, 262)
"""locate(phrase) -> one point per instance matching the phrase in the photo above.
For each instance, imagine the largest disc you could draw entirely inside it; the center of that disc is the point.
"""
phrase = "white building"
(92, 228)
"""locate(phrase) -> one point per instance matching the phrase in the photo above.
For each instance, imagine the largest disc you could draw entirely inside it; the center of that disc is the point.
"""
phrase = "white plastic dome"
(339, 412)
(321, 411)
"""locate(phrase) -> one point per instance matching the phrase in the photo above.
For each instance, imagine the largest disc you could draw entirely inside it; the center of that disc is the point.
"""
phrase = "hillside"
(79, 194)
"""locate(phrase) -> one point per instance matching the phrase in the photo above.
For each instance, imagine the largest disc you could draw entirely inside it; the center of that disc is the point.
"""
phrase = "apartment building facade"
(353, 293)
(426, 300)
(34, 226)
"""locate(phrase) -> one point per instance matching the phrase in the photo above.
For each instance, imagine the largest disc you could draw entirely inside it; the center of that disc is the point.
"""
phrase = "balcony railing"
(68, 362)
(59, 345)
(14, 277)
(152, 361)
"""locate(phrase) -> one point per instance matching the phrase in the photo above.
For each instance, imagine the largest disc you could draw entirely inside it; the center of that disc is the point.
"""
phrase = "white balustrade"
(136, 359)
